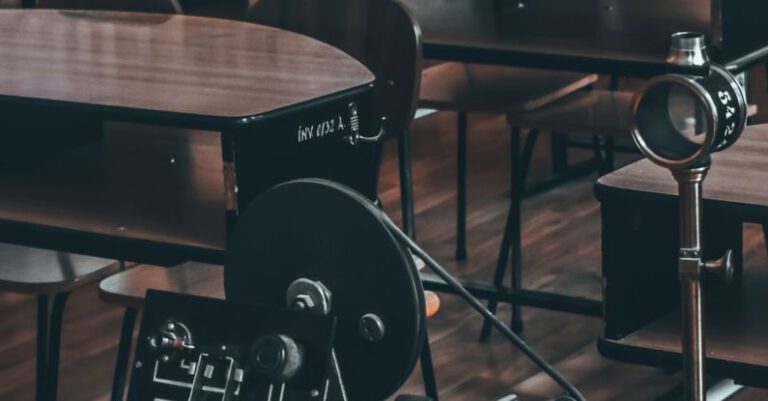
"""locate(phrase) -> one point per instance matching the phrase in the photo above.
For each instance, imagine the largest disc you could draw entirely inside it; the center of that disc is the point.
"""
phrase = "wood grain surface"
(129, 288)
(154, 185)
(466, 368)
(736, 323)
(39, 271)
(579, 35)
(586, 113)
(489, 88)
(735, 179)
(165, 65)
(156, 6)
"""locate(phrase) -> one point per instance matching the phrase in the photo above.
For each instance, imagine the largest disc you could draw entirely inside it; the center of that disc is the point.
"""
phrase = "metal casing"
(718, 95)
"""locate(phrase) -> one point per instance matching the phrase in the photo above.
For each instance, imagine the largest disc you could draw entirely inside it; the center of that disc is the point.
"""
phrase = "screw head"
(371, 327)
(138, 365)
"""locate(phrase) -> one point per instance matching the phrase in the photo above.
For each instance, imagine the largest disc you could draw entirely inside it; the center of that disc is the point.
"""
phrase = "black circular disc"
(324, 231)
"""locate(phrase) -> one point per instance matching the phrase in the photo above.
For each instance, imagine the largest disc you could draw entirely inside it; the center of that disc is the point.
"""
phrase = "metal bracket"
(689, 264)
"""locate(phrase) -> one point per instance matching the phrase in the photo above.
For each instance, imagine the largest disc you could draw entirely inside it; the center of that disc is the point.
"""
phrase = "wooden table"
(733, 184)
(606, 36)
(640, 245)
(258, 92)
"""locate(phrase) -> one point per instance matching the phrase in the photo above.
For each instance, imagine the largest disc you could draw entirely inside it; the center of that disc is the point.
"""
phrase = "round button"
(276, 357)
(269, 357)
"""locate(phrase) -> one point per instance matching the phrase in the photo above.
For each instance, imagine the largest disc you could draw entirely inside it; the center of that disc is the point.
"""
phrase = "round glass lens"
(686, 114)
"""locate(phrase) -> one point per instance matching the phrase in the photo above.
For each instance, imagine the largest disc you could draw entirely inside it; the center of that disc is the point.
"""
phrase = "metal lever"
(173, 335)
(722, 268)
(168, 341)
(354, 138)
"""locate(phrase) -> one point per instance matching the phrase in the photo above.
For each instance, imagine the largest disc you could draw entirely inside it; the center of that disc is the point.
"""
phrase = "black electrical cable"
(480, 308)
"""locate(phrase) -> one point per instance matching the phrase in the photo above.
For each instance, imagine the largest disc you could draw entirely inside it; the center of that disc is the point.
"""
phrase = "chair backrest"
(381, 34)
(158, 6)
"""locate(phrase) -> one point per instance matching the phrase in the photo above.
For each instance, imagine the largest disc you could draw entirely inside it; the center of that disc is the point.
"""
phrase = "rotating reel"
(319, 246)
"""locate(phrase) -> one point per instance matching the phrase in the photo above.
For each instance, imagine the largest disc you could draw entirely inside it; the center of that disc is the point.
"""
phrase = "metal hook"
(354, 138)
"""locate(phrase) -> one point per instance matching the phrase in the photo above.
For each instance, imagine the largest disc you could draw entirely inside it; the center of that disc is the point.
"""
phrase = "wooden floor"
(561, 240)
(561, 253)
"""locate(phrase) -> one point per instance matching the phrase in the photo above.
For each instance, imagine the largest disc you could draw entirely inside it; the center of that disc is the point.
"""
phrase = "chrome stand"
(689, 270)
(719, 116)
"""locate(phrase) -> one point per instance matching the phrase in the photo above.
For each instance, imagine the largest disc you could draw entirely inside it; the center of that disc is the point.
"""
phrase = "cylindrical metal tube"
(693, 340)
(688, 49)
(689, 183)
(690, 264)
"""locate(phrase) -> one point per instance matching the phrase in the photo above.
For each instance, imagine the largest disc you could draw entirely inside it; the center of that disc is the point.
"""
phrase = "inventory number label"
(309, 132)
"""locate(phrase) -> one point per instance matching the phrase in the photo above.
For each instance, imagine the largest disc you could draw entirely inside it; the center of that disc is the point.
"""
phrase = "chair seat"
(489, 88)
(38, 271)
(128, 288)
(596, 112)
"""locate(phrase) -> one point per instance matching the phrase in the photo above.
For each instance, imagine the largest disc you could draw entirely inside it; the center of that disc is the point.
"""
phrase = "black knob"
(723, 267)
(276, 357)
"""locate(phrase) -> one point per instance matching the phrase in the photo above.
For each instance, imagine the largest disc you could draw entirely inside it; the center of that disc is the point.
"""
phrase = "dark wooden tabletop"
(735, 182)
(166, 67)
(625, 37)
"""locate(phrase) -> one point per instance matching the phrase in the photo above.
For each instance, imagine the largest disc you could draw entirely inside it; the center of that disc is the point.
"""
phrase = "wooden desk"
(165, 195)
(143, 192)
(168, 69)
(607, 36)
(640, 244)
(733, 184)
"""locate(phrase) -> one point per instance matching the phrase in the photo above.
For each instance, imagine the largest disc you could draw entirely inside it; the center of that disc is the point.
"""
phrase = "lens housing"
(679, 120)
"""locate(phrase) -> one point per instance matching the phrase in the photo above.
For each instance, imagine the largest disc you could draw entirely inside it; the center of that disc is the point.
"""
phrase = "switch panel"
(200, 349)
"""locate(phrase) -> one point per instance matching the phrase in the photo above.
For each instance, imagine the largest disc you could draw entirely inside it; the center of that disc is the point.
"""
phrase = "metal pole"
(689, 270)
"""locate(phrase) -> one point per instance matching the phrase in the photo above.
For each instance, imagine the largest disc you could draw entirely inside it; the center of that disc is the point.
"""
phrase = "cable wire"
(480, 308)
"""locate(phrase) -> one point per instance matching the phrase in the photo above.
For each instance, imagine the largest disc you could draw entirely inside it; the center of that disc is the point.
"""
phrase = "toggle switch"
(172, 336)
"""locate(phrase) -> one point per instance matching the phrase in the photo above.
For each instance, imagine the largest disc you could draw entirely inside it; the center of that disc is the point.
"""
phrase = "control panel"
(199, 349)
